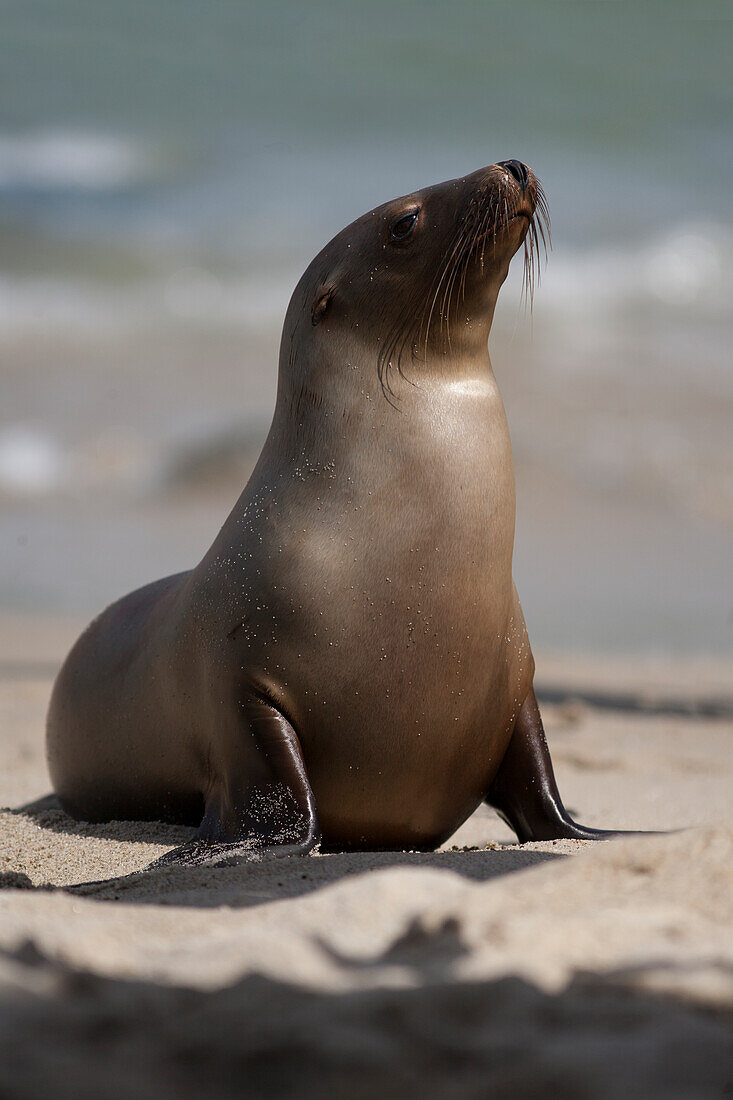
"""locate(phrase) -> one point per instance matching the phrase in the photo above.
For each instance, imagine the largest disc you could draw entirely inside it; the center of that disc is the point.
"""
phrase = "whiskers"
(475, 241)
(537, 244)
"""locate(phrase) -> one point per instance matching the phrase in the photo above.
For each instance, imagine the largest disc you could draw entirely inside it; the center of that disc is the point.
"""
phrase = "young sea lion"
(349, 660)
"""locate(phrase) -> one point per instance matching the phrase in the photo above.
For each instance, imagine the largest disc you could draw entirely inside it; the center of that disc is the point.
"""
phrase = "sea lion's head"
(413, 284)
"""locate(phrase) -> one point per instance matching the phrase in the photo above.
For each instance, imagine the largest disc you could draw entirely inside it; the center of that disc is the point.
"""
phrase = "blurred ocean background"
(167, 171)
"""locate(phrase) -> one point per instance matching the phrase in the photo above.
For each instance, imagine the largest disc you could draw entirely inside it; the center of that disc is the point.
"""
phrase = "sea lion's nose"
(518, 170)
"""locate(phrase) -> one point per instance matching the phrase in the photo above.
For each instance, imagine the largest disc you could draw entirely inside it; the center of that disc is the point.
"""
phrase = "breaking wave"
(68, 160)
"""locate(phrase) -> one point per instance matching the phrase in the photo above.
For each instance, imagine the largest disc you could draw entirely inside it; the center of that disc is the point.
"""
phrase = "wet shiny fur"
(349, 660)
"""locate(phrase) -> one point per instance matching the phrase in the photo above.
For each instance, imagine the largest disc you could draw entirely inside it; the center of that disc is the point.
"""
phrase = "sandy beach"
(592, 970)
(167, 172)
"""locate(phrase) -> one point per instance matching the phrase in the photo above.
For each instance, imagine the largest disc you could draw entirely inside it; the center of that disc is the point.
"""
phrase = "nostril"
(518, 170)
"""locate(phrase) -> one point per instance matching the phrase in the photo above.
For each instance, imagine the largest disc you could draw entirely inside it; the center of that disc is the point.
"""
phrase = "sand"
(487, 968)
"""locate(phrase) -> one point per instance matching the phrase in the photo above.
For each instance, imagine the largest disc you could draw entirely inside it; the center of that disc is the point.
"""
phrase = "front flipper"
(524, 792)
(260, 804)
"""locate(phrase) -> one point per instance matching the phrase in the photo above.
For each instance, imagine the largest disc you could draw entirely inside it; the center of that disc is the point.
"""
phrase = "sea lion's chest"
(381, 555)
(367, 588)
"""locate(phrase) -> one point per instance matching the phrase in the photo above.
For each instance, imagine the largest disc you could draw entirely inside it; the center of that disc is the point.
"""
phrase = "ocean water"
(167, 170)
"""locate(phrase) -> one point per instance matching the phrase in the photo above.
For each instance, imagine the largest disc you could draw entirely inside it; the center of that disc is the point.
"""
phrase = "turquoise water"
(244, 118)
(168, 168)
(165, 159)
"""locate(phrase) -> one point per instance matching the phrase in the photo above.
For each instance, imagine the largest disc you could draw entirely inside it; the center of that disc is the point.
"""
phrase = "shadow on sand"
(71, 1033)
(254, 882)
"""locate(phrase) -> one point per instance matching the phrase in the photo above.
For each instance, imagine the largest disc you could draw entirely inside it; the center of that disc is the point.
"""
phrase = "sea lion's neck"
(323, 411)
(351, 373)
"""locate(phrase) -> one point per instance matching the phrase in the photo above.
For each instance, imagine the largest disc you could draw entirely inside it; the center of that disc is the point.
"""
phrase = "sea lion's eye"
(404, 226)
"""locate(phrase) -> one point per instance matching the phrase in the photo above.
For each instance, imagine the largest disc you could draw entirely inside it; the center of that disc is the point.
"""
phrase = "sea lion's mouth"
(531, 209)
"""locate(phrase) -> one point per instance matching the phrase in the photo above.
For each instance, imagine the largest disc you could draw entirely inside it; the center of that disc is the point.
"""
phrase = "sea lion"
(349, 661)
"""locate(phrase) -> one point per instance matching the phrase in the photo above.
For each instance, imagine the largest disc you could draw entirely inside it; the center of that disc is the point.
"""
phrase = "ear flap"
(321, 304)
